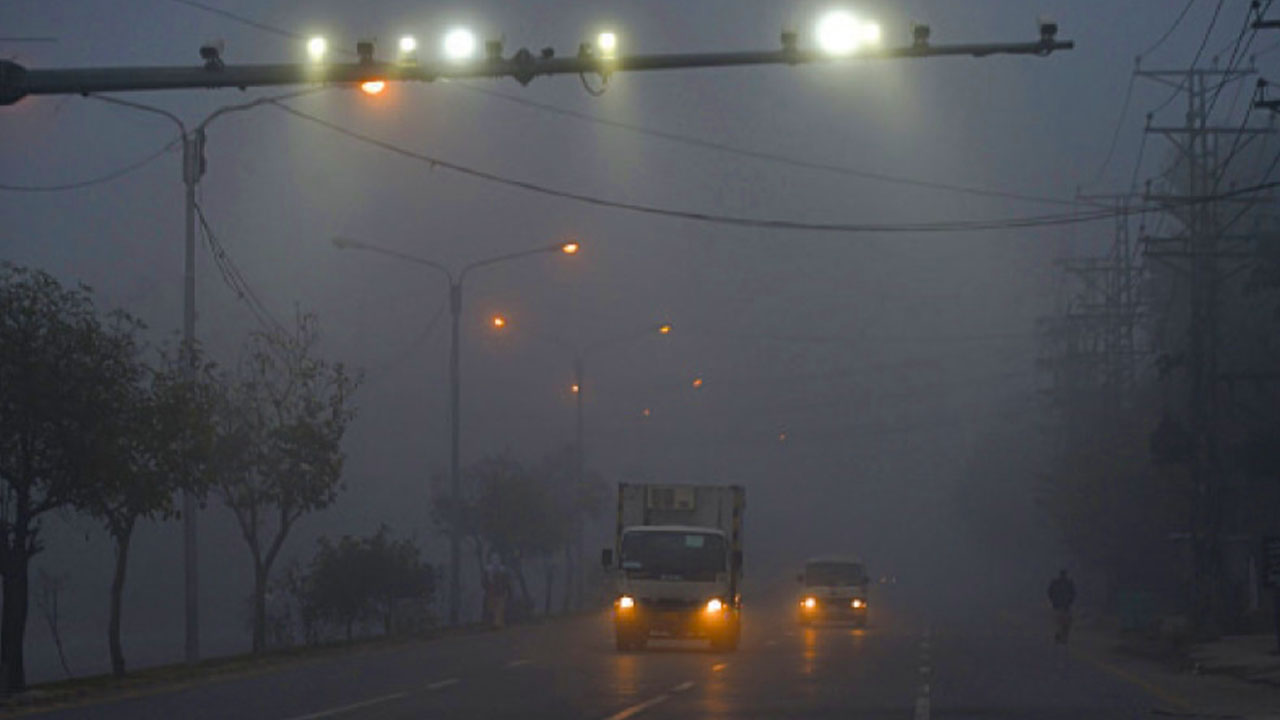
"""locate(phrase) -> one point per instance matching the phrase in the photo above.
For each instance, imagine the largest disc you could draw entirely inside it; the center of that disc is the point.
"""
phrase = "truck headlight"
(714, 605)
(858, 603)
(809, 603)
(626, 602)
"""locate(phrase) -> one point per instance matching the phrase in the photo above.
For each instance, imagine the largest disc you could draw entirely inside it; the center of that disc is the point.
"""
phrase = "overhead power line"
(1128, 93)
(98, 180)
(731, 220)
(764, 156)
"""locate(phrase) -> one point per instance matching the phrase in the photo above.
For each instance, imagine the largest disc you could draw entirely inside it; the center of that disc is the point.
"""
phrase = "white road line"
(637, 709)
(682, 686)
(518, 663)
(924, 669)
(353, 706)
(719, 666)
(443, 683)
(922, 708)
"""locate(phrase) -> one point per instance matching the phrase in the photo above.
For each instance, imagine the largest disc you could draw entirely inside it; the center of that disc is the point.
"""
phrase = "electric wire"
(739, 221)
(235, 279)
(761, 155)
(712, 218)
(1196, 60)
(1128, 93)
(98, 180)
(1172, 28)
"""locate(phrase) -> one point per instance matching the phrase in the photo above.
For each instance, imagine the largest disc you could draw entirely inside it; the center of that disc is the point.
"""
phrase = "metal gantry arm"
(17, 81)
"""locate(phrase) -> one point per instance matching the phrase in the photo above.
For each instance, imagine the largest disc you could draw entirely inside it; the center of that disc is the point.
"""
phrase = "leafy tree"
(161, 443)
(356, 578)
(279, 448)
(62, 372)
(517, 512)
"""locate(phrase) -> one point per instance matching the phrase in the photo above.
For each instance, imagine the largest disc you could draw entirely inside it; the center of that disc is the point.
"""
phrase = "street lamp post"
(455, 379)
(580, 355)
(193, 167)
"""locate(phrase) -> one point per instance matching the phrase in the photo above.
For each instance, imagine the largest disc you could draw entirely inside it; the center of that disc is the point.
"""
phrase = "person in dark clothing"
(1062, 593)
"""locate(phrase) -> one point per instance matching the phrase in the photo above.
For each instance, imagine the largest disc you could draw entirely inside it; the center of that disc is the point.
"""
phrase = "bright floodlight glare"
(607, 43)
(316, 48)
(459, 44)
(373, 87)
(840, 33)
(570, 248)
(408, 44)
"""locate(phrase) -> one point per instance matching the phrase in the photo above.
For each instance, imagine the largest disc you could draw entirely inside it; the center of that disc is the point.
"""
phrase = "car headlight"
(626, 602)
(858, 603)
(809, 603)
(714, 605)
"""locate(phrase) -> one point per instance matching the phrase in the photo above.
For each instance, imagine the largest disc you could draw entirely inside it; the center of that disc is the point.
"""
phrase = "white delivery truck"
(677, 564)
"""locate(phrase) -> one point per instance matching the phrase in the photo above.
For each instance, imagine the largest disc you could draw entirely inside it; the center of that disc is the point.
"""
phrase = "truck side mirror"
(606, 558)
(737, 559)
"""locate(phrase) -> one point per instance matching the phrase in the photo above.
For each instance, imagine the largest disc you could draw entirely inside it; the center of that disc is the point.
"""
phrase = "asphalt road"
(898, 668)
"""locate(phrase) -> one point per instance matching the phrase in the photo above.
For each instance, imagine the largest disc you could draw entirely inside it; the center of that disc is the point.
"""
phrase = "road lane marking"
(924, 669)
(1151, 688)
(719, 666)
(443, 683)
(682, 686)
(639, 708)
(518, 663)
(348, 708)
(922, 708)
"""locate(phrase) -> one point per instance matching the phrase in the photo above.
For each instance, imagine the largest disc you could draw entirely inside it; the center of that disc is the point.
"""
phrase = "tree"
(161, 442)
(279, 447)
(61, 370)
(512, 511)
(356, 578)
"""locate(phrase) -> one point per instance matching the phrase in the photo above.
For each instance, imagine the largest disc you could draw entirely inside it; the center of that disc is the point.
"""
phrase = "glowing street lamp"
(459, 45)
(664, 329)
(373, 87)
(697, 382)
(408, 45)
(317, 48)
(498, 322)
(607, 44)
(841, 33)
(570, 248)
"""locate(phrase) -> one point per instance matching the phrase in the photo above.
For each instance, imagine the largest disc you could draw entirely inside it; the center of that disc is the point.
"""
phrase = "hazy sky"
(883, 358)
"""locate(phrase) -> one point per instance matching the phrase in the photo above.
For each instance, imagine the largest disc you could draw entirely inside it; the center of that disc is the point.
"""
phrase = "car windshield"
(675, 555)
(834, 574)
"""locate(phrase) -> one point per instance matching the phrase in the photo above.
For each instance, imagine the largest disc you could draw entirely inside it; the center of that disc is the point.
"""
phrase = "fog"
(858, 384)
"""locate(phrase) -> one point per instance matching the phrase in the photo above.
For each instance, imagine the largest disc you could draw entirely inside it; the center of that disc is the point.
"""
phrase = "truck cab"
(833, 588)
(677, 580)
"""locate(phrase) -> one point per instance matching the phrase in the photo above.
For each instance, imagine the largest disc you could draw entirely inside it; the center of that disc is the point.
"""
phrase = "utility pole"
(192, 170)
(1197, 253)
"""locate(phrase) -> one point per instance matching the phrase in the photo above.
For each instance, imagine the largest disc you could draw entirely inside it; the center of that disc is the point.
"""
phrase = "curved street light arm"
(509, 256)
(257, 102)
(348, 243)
(144, 108)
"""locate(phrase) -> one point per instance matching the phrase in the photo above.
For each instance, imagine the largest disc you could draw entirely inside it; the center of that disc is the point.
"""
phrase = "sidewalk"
(1187, 684)
(1251, 658)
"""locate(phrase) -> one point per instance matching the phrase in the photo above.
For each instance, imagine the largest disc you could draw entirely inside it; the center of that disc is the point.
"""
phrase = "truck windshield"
(832, 574)
(674, 555)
